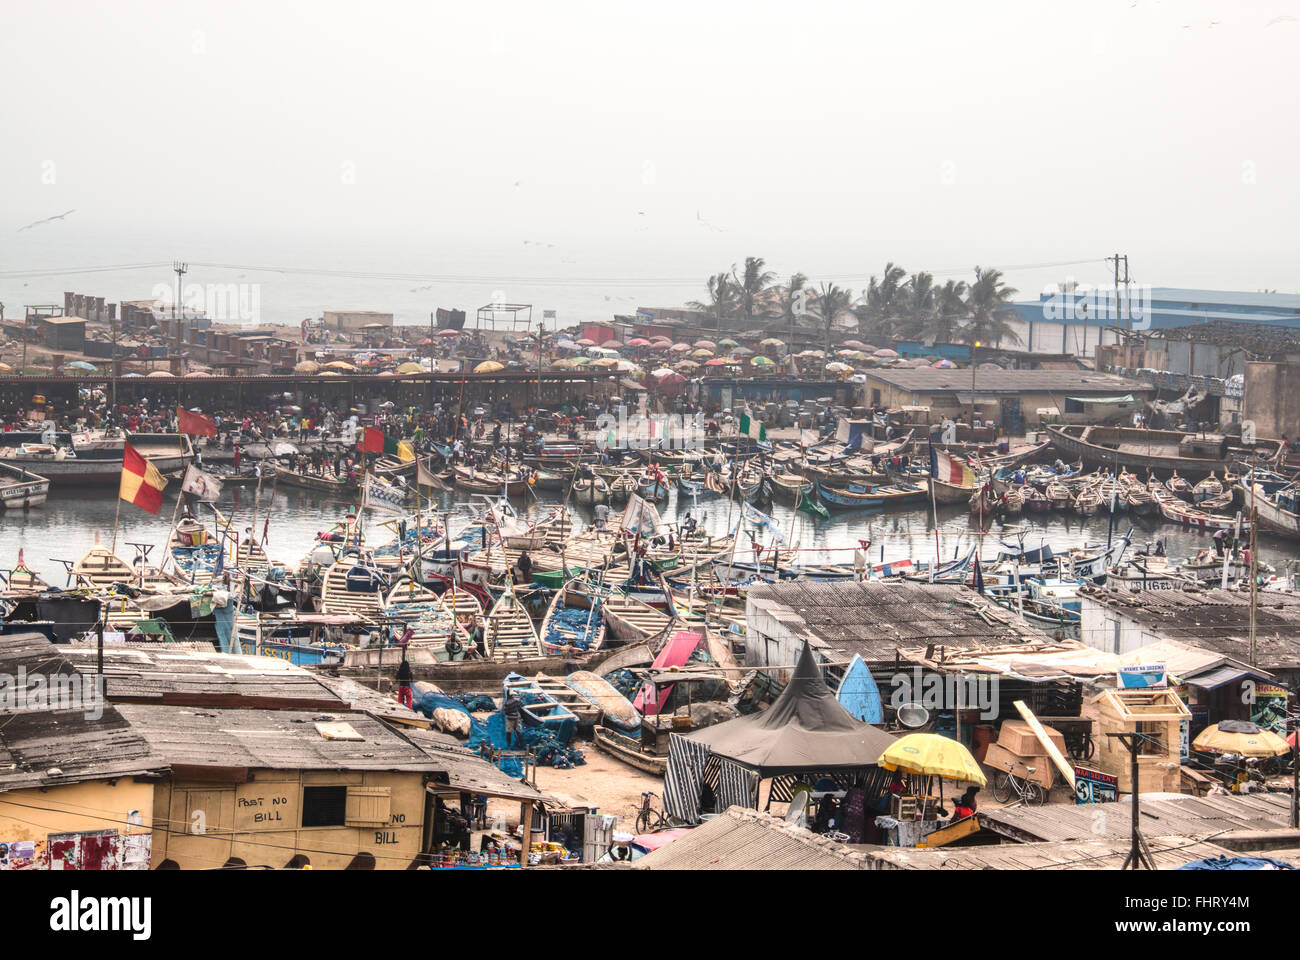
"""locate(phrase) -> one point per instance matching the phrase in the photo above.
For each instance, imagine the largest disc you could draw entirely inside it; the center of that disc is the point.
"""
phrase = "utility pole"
(1139, 856)
(181, 269)
(1128, 312)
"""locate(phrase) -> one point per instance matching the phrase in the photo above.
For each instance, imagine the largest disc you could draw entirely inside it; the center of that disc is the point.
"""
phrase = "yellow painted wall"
(75, 808)
(260, 822)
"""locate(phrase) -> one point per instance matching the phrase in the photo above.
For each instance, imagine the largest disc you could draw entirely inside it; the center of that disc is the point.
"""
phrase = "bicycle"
(1026, 791)
(648, 818)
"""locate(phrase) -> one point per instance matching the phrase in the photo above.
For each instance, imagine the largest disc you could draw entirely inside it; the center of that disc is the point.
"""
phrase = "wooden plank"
(945, 835)
(1067, 770)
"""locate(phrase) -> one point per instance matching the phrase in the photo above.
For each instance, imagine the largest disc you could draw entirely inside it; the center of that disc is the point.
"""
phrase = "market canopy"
(805, 729)
(1127, 398)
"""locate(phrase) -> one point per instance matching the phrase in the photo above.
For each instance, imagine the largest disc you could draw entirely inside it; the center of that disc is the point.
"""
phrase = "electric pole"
(180, 269)
(1139, 855)
(1128, 313)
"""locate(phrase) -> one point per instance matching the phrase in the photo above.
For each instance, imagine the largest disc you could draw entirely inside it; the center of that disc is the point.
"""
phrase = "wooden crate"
(1000, 758)
(1018, 738)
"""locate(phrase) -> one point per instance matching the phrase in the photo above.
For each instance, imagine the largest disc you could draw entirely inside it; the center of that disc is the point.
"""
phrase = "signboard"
(1148, 676)
(1268, 709)
(1093, 786)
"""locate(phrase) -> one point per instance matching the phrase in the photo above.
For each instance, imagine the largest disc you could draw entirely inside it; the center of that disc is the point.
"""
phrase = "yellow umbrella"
(342, 365)
(564, 364)
(5, 368)
(605, 362)
(1240, 737)
(410, 368)
(932, 755)
(489, 366)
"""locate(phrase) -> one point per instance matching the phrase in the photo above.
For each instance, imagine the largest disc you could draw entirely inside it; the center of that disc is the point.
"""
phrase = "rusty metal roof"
(743, 839)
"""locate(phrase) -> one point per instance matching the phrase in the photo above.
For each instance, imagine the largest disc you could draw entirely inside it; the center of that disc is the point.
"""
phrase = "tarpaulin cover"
(1237, 863)
(675, 653)
(805, 729)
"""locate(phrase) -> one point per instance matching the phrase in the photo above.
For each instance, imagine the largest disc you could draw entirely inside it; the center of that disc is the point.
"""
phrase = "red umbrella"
(449, 333)
(584, 342)
(638, 342)
(612, 345)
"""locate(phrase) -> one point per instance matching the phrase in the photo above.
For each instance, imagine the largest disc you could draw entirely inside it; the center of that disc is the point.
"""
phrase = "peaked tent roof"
(805, 729)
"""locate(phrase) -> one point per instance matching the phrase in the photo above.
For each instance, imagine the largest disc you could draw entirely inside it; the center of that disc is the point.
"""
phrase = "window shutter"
(368, 806)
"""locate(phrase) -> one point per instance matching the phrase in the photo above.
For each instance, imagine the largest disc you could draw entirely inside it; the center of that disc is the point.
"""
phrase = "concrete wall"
(1272, 398)
(1110, 631)
(122, 806)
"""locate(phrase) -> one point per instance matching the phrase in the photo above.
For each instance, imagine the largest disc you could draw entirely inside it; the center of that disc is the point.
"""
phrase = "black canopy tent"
(806, 733)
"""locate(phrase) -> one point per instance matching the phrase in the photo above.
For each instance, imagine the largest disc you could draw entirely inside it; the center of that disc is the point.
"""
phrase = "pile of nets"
(477, 702)
(545, 744)
(624, 682)
(448, 713)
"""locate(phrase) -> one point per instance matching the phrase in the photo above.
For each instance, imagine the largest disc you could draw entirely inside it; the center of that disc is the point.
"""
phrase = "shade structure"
(605, 362)
(771, 342)
(5, 368)
(566, 345)
(741, 351)
(706, 344)
(686, 365)
(410, 368)
(306, 366)
(489, 366)
(638, 342)
(160, 375)
(720, 362)
(805, 729)
(810, 353)
(627, 366)
(448, 334)
(613, 345)
(855, 344)
(837, 367)
(198, 374)
(761, 361)
(702, 353)
(728, 342)
(341, 366)
(885, 352)
(1240, 737)
(662, 372)
(564, 364)
(584, 342)
(680, 348)
(929, 754)
(81, 365)
(942, 364)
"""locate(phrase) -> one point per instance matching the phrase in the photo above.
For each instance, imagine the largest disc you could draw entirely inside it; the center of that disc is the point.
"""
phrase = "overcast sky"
(659, 139)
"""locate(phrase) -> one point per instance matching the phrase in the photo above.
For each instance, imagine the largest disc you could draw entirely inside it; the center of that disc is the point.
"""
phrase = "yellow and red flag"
(142, 484)
(195, 424)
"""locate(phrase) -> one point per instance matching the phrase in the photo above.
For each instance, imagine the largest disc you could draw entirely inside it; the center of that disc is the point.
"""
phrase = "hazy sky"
(657, 140)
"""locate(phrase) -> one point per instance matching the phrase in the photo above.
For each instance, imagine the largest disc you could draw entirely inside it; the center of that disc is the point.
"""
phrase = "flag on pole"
(203, 485)
(142, 484)
(949, 469)
(370, 440)
(752, 428)
(195, 424)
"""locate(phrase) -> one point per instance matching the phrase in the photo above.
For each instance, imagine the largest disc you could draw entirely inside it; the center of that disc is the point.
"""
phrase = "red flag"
(371, 440)
(194, 423)
(142, 484)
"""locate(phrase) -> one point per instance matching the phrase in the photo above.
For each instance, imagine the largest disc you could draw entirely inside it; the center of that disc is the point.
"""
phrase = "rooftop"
(876, 619)
(923, 379)
(743, 839)
(1216, 620)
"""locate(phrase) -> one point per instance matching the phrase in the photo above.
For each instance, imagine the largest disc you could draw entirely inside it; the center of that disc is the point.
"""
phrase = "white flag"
(203, 485)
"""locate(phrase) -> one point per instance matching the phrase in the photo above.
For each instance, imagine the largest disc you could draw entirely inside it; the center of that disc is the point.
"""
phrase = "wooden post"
(526, 818)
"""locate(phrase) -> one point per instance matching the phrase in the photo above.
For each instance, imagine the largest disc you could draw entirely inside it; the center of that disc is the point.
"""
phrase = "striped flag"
(752, 428)
(142, 484)
(949, 469)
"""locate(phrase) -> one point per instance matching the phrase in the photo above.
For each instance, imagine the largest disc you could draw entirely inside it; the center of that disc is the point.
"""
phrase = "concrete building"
(356, 321)
(1010, 398)
(65, 333)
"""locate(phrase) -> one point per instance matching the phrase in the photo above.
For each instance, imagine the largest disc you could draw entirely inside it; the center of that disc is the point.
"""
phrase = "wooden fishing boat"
(1059, 496)
(612, 707)
(632, 621)
(1179, 487)
(1274, 499)
(326, 483)
(541, 707)
(1087, 502)
(99, 569)
(622, 487)
(464, 605)
(789, 487)
(1141, 450)
(1208, 489)
(509, 630)
(1176, 511)
(23, 579)
(431, 623)
(1217, 503)
(21, 488)
(481, 481)
(1035, 502)
(573, 624)
(1013, 502)
(945, 492)
(194, 550)
(591, 490)
(983, 502)
(628, 749)
(653, 489)
(352, 587)
(1140, 500)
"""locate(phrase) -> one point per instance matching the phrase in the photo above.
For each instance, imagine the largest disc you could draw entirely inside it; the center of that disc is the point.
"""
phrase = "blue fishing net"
(574, 626)
(550, 749)
(477, 702)
(624, 682)
(426, 703)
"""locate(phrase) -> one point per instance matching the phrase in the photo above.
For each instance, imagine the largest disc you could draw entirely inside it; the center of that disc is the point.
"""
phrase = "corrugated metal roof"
(1169, 853)
(743, 839)
(928, 379)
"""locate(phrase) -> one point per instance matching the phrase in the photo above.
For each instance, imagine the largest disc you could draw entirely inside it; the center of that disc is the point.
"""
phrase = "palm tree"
(917, 303)
(831, 301)
(988, 305)
(881, 301)
(949, 311)
(750, 285)
(722, 298)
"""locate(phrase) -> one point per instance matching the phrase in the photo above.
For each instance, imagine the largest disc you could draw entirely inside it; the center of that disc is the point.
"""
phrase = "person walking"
(514, 713)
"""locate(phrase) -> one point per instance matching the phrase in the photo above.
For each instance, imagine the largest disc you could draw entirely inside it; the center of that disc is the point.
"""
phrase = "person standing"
(514, 714)
(404, 682)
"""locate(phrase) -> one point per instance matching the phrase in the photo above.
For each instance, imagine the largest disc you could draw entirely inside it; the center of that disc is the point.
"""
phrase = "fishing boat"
(984, 502)
(326, 482)
(945, 492)
(100, 569)
(1087, 502)
(1177, 511)
(1208, 489)
(481, 481)
(573, 623)
(1013, 502)
(20, 488)
(1273, 499)
(194, 550)
(653, 487)
(1059, 495)
(23, 580)
(789, 487)
(509, 630)
(1141, 451)
(301, 639)
(622, 487)
(1035, 502)
(351, 586)
(462, 604)
(591, 490)
(91, 457)
(1179, 486)
(540, 708)
(612, 707)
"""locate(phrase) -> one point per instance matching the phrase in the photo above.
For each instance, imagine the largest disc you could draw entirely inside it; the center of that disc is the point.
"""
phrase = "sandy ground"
(612, 786)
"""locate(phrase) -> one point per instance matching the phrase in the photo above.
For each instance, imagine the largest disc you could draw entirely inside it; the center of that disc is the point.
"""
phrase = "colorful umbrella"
(761, 361)
(1240, 737)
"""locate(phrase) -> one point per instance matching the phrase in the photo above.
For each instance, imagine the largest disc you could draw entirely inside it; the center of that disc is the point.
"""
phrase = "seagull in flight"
(706, 223)
(37, 223)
